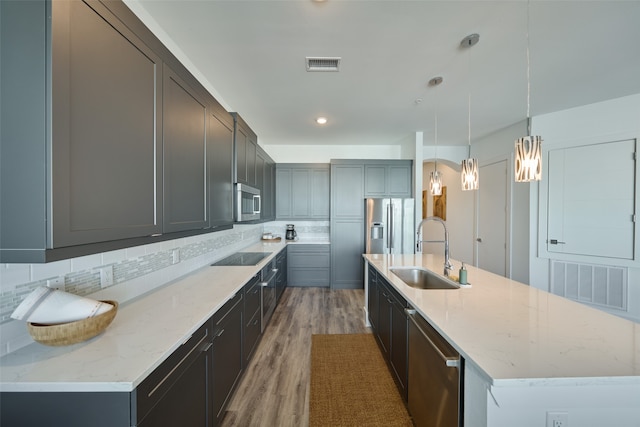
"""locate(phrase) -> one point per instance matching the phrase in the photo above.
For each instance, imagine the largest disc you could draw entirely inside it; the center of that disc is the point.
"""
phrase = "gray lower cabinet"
(251, 334)
(302, 191)
(309, 265)
(282, 277)
(227, 357)
(178, 392)
(184, 121)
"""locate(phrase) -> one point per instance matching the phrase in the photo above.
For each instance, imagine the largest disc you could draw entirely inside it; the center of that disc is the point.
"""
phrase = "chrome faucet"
(447, 264)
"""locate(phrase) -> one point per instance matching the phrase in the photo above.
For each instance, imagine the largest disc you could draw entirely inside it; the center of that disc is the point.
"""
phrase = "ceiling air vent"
(323, 64)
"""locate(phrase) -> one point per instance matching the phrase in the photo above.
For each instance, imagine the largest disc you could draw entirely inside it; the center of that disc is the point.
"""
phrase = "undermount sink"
(423, 279)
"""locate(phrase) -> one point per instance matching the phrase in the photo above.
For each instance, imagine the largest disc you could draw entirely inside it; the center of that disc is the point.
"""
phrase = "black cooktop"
(242, 258)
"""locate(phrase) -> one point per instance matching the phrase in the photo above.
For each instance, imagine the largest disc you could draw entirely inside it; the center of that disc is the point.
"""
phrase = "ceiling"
(252, 53)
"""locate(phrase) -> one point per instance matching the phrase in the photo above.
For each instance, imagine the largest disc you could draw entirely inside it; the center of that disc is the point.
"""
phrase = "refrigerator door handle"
(390, 226)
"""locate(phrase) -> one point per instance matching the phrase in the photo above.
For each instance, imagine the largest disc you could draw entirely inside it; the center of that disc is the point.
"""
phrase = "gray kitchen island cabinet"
(302, 191)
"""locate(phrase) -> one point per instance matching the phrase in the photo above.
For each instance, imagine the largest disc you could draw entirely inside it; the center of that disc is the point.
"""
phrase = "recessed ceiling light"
(321, 120)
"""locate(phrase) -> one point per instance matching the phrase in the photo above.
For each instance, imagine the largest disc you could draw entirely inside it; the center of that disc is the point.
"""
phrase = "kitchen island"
(528, 352)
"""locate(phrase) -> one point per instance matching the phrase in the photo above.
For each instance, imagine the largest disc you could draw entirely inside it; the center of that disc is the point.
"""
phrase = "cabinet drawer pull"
(219, 334)
(208, 346)
(166, 377)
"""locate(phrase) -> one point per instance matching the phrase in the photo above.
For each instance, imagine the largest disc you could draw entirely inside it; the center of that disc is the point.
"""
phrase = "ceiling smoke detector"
(323, 63)
(470, 40)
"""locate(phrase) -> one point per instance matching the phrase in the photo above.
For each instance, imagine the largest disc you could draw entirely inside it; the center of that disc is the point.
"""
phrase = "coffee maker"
(291, 233)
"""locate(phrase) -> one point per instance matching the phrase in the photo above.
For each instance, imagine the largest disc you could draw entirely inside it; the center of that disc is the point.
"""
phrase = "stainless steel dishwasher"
(435, 377)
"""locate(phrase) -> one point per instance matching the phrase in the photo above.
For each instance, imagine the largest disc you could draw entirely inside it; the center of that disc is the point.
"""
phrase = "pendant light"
(469, 176)
(528, 149)
(435, 179)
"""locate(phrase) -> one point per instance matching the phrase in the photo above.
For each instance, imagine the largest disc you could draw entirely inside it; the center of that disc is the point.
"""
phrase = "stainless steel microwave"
(247, 203)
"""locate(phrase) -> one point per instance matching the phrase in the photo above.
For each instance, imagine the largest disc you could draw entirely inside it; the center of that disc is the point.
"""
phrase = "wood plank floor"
(274, 390)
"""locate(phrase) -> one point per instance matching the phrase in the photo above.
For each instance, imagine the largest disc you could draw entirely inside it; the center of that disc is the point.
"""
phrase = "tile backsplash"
(304, 229)
(135, 271)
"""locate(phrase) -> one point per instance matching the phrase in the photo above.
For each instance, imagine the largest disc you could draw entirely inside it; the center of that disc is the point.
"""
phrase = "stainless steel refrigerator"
(390, 226)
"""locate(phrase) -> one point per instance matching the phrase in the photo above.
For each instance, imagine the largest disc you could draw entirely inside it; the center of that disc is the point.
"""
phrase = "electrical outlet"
(176, 256)
(57, 283)
(106, 276)
(557, 419)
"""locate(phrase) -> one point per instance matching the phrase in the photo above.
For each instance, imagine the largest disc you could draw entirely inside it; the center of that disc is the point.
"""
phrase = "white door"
(491, 236)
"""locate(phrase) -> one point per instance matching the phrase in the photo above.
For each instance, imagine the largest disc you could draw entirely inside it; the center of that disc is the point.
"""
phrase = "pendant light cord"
(528, 77)
(436, 139)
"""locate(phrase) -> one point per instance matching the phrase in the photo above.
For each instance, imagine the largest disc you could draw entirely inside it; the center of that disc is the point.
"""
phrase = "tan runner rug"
(351, 384)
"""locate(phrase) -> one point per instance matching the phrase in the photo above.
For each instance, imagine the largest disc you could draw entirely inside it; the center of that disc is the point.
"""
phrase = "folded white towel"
(51, 306)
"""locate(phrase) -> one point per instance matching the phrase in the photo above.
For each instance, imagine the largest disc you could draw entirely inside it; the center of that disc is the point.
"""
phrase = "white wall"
(612, 120)
(500, 146)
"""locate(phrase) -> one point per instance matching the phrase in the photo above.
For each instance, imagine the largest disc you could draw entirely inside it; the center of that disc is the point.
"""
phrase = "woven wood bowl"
(72, 332)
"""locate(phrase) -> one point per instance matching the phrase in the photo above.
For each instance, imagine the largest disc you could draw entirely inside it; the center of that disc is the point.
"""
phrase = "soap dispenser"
(462, 275)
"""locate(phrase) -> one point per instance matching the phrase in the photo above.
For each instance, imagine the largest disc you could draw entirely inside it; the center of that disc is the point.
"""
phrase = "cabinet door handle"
(555, 242)
(208, 346)
(219, 334)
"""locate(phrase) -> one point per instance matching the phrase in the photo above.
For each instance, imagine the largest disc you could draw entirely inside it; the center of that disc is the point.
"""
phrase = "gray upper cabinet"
(185, 159)
(265, 181)
(220, 154)
(389, 178)
(347, 191)
(92, 172)
(99, 122)
(302, 191)
(105, 138)
(245, 143)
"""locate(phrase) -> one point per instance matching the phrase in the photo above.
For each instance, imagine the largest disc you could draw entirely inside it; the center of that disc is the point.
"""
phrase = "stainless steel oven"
(268, 293)
(247, 203)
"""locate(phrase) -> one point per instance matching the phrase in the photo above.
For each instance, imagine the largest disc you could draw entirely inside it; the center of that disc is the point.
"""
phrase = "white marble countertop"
(143, 334)
(519, 335)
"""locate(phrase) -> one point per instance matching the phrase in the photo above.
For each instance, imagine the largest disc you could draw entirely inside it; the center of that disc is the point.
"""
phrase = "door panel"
(591, 203)
(491, 238)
